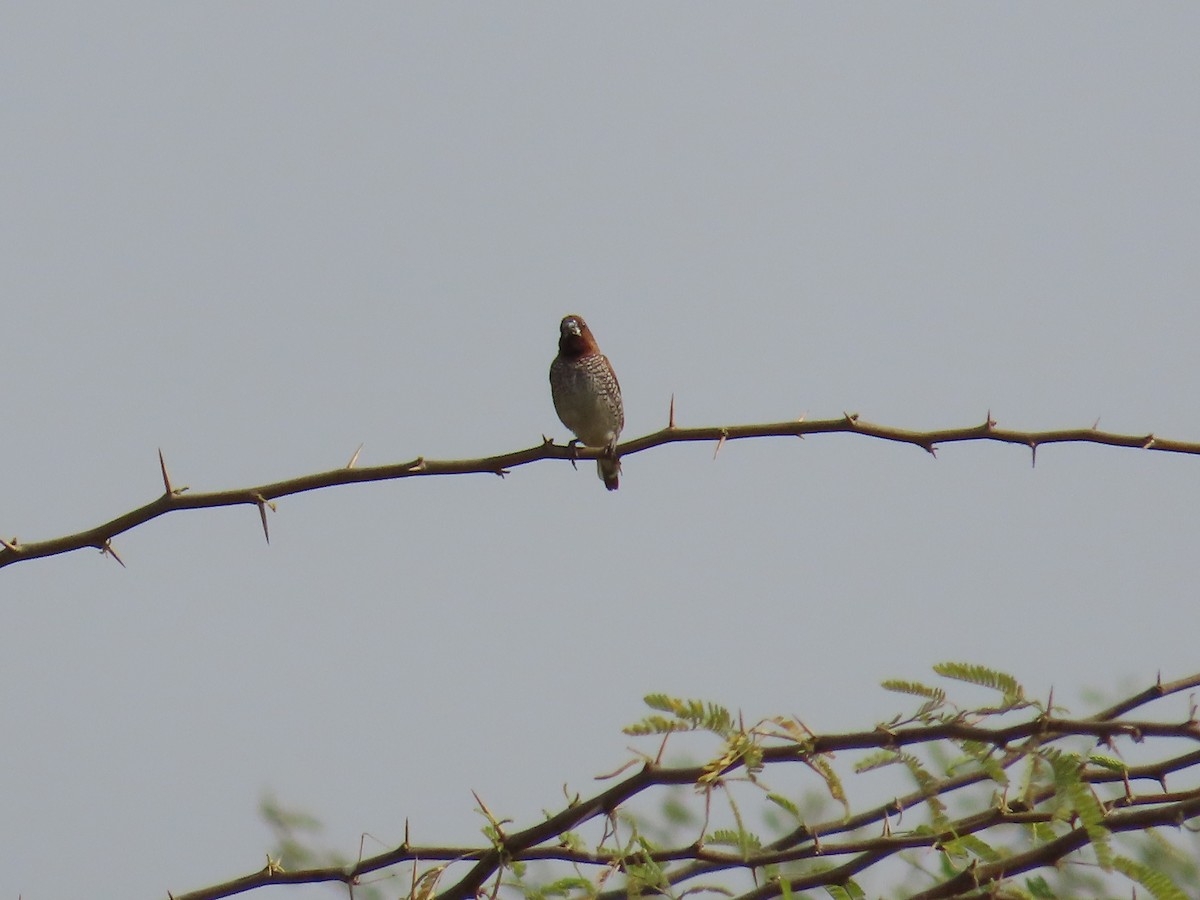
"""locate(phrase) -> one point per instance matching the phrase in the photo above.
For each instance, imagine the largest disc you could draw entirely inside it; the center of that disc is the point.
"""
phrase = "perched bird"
(587, 396)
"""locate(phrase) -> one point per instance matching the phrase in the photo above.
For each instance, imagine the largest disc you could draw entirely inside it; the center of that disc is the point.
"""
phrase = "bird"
(587, 396)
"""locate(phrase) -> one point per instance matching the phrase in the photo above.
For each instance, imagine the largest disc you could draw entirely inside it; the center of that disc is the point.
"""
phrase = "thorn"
(1096, 424)
(628, 765)
(262, 511)
(362, 843)
(671, 413)
(720, 443)
(571, 800)
(162, 464)
(991, 423)
(547, 442)
(1033, 454)
(501, 472)
(108, 549)
(417, 465)
(931, 449)
(851, 418)
(354, 458)
(10, 545)
(496, 823)
(406, 831)
(662, 748)
(1149, 442)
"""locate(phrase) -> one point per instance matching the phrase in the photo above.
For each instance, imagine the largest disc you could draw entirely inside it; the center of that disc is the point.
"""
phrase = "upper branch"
(260, 496)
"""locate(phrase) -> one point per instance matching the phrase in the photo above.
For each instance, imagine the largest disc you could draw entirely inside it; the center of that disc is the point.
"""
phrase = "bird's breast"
(587, 400)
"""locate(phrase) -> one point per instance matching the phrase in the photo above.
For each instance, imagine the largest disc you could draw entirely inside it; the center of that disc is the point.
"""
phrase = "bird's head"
(575, 338)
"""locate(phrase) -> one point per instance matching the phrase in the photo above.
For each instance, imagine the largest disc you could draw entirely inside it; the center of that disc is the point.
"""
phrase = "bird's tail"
(608, 468)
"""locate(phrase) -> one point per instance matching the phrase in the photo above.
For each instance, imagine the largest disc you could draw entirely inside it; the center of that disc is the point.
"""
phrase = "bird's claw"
(573, 446)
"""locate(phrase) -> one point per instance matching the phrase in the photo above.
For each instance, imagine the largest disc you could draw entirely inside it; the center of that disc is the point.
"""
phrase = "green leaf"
(928, 785)
(730, 837)
(914, 688)
(1065, 769)
(977, 847)
(876, 760)
(833, 784)
(676, 813)
(847, 891)
(661, 702)
(655, 725)
(739, 748)
(985, 756)
(1074, 797)
(1111, 763)
(645, 873)
(1160, 886)
(572, 840)
(1040, 888)
(787, 805)
(984, 677)
(564, 887)
(692, 714)
(1044, 832)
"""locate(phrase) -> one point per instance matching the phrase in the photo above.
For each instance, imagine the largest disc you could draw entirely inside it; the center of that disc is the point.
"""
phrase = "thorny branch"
(840, 844)
(261, 496)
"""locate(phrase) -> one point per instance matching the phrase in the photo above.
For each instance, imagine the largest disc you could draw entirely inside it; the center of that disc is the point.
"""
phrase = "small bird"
(587, 396)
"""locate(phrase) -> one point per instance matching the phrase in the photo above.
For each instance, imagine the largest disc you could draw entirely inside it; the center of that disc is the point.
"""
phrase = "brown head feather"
(575, 338)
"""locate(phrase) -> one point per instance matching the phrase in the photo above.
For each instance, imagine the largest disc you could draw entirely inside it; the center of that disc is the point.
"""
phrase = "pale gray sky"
(256, 235)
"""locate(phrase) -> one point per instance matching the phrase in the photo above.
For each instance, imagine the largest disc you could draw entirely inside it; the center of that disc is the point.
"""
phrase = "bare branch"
(849, 423)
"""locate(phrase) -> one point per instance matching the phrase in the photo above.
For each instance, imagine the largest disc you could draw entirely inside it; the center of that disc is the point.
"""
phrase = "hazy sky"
(258, 235)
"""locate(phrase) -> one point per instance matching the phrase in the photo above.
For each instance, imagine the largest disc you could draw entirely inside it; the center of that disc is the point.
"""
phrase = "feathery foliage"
(938, 811)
